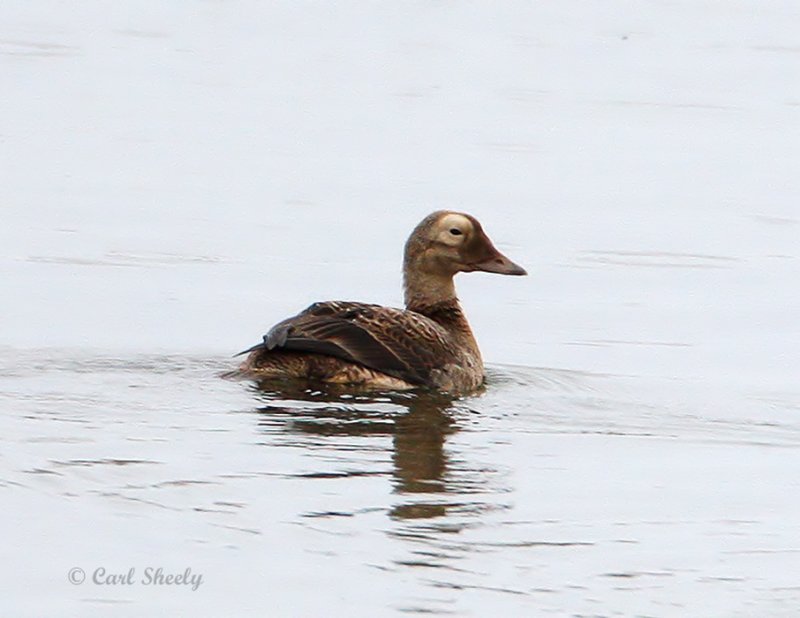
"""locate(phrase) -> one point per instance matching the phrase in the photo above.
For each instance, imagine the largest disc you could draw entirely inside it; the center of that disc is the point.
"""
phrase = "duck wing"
(402, 344)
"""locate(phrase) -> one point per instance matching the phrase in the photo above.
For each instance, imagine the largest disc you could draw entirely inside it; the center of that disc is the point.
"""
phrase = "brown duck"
(428, 344)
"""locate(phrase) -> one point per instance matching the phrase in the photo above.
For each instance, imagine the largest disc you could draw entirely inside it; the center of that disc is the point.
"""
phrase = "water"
(177, 180)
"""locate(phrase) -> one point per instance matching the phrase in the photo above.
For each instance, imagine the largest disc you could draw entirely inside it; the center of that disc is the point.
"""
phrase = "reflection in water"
(442, 492)
(419, 458)
(418, 422)
(420, 463)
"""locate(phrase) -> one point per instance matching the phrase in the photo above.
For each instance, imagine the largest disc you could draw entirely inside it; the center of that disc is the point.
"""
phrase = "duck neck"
(424, 292)
(435, 297)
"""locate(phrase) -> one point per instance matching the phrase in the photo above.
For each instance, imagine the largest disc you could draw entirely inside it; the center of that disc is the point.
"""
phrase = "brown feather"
(402, 344)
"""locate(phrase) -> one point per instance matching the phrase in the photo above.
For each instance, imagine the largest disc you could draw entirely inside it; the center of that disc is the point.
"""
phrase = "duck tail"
(258, 346)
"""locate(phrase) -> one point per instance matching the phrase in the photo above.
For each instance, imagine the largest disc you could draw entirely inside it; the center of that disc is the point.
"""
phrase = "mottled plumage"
(427, 344)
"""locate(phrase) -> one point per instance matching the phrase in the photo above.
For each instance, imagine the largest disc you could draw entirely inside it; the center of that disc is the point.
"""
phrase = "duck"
(428, 344)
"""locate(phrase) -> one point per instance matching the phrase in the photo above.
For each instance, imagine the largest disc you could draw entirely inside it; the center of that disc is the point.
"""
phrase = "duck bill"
(500, 264)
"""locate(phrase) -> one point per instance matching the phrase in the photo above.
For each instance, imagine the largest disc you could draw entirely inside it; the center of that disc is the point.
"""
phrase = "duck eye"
(455, 231)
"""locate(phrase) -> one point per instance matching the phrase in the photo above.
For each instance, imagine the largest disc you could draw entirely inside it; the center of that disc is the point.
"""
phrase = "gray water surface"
(554, 491)
(177, 179)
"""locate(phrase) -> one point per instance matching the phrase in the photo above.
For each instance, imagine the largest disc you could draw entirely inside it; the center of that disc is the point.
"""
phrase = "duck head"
(442, 245)
(447, 243)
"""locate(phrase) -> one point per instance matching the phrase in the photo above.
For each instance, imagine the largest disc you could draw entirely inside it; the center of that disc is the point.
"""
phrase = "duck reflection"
(418, 422)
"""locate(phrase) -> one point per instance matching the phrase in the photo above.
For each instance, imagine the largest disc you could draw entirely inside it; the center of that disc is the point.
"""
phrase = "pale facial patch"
(453, 229)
